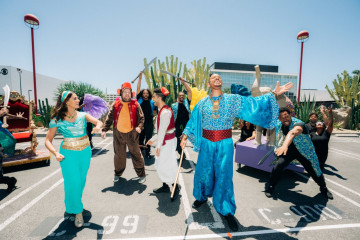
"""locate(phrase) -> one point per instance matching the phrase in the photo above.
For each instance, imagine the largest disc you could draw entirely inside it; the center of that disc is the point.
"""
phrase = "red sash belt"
(168, 136)
(217, 135)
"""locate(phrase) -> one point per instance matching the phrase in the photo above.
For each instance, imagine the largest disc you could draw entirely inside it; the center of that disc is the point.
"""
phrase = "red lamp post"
(33, 22)
(301, 37)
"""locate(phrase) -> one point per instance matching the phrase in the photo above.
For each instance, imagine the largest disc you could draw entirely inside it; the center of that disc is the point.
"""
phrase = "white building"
(111, 97)
(45, 85)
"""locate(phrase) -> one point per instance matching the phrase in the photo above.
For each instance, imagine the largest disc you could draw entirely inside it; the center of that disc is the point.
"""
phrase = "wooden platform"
(41, 155)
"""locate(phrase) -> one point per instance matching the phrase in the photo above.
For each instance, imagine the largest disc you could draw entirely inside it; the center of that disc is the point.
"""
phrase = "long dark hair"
(141, 93)
(61, 108)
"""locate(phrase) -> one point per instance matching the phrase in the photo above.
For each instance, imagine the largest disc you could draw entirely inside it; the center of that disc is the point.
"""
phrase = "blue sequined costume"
(214, 168)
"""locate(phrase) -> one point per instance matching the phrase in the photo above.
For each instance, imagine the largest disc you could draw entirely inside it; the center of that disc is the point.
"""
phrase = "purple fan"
(95, 106)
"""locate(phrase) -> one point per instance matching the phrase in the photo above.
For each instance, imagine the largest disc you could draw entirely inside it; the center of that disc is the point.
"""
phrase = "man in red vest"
(165, 157)
(128, 122)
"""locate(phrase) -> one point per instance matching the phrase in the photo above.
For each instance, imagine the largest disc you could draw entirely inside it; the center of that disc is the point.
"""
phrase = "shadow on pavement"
(27, 166)
(250, 232)
(4, 193)
(96, 150)
(67, 230)
(126, 187)
(165, 205)
(333, 172)
(289, 180)
(301, 201)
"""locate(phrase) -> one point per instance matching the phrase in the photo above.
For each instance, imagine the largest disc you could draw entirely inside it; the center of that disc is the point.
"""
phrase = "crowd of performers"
(208, 127)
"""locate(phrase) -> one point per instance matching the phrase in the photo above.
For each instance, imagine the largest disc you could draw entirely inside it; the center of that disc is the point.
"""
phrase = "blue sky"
(104, 42)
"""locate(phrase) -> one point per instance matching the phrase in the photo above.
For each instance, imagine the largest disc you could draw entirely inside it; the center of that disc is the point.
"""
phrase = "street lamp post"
(301, 37)
(33, 22)
(29, 93)
(19, 71)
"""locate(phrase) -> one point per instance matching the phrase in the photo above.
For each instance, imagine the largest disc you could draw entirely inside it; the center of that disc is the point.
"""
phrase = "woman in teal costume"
(75, 152)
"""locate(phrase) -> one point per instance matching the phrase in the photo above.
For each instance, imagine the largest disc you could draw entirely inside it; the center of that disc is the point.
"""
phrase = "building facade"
(244, 74)
(21, 81)
(111, 97)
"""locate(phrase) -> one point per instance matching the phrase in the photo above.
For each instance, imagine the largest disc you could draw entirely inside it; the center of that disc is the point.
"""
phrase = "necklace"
(215, 109)
(71, 117)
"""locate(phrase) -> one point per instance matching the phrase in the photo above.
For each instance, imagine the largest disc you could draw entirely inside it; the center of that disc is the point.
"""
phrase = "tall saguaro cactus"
(155, 79)
(199, 74)
(354, 118)
(345, 89)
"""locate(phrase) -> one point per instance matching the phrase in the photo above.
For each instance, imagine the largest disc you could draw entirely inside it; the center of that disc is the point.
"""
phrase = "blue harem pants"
(214, 173)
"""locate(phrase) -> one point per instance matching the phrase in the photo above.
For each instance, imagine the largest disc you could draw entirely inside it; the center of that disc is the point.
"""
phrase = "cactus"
(346, 89)
(45, 111)
(354, 116)
(199, 74)
(155, 79)
(302, 110)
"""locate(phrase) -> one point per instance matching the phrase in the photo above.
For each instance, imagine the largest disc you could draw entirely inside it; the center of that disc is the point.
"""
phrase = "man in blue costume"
(293, 142)
(209, 129)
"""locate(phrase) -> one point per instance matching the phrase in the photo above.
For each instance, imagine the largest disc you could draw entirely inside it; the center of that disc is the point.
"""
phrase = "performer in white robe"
(165, 140)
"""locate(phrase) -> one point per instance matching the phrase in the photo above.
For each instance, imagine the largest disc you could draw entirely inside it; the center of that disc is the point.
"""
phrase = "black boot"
(164, 189)
(176, 193)
(269, 191)
(198, 203)
(11, 184)
(325, 191)
(231, 222)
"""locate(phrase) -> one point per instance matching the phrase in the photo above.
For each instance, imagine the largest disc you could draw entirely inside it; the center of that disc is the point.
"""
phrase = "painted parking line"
(29, 205)
(307, 213)
(346, 188)
(249, 233)
(34, 201)
(217, 223)
(29, 189)
(335, 192)
(341, 152)
(41, 181)
(102, 149)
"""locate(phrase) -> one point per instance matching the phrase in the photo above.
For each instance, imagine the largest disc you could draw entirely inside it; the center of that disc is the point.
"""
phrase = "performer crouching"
(165, 157)
(293, 142)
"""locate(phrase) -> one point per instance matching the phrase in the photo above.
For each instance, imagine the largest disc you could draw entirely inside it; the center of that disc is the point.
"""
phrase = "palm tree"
(79, 88)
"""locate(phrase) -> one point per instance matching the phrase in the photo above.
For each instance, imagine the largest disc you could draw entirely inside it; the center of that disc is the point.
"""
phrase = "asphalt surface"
(129, 210)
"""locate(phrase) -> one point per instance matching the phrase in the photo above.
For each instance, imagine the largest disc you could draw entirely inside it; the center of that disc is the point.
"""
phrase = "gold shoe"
(79, 220)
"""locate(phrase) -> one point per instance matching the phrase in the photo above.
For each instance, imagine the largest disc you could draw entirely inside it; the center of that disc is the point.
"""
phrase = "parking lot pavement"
(130, 210)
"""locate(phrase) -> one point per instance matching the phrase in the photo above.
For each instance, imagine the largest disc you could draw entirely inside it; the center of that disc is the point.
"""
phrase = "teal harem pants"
(214, 173)
(74, 169)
